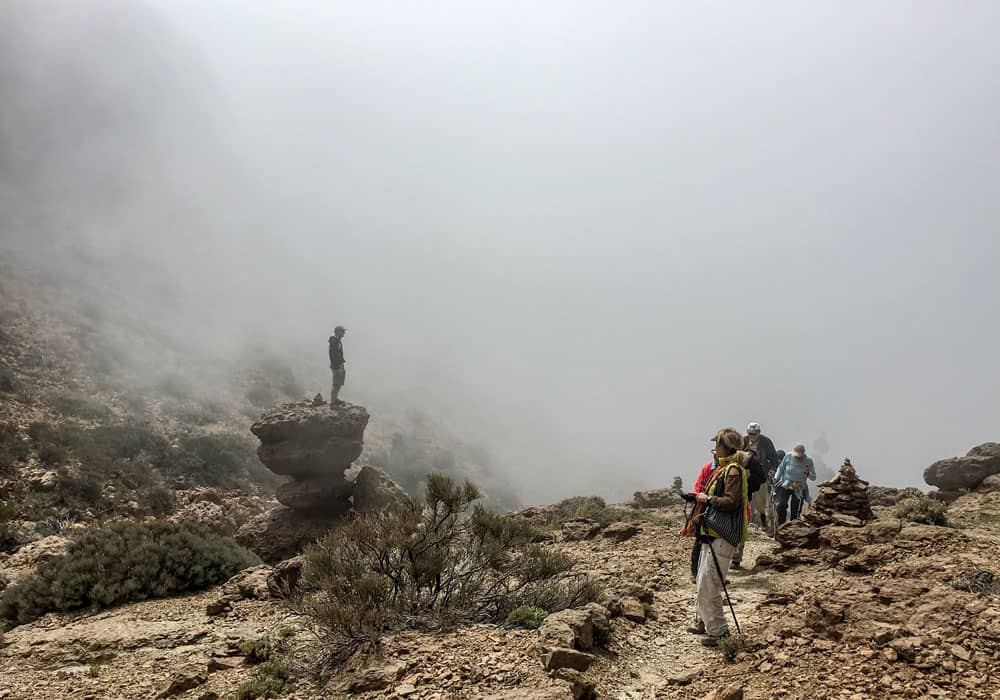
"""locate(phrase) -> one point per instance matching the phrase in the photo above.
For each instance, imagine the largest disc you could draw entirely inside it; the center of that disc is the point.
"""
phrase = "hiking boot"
(735, 565)
(710, 641)
(697, 627)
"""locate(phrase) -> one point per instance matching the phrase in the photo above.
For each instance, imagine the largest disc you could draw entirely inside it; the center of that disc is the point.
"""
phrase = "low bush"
(979, 581)
(589, 507)
(123, 562)
(257, 651)
(432, 565)
(7, 383)
(78, 406)
(527, 617)
(13, 448)
(922, 509)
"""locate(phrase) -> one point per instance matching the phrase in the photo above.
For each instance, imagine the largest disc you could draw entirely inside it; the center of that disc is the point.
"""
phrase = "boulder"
(965, 472)
(251, 583)
(619, 532)
(374, 490)
(990, 484)
(565, 637)
(320, 495)
(281, 533)
(797, 533)
(25, 560)
(285, 577)
(304, 440)
(580, 529)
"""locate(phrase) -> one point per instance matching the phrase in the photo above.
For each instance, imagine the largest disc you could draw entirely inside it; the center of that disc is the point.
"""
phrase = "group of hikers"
(746, 480)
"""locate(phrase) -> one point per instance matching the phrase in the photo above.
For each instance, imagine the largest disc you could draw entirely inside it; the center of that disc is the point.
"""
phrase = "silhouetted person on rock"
(337, 363)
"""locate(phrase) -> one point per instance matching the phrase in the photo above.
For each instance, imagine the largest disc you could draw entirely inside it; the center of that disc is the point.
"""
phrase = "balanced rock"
(323, 494)
(303, 440)
(965, 472)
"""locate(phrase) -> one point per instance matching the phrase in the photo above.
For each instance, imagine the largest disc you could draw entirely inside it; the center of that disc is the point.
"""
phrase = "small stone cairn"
(843, 500)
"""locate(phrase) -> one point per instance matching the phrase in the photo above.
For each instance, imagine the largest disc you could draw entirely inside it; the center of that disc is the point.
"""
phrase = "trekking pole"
(725, 589)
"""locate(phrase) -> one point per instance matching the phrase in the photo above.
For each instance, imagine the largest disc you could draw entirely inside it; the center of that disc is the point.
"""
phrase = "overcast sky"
(586, 234)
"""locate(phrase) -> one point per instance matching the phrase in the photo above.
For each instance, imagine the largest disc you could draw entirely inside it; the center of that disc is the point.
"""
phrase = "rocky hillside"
(858, 607)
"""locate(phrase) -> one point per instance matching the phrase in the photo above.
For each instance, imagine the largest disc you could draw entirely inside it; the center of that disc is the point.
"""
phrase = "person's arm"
(811, 467)
(779, 476)
(731, 499)
(699, 483)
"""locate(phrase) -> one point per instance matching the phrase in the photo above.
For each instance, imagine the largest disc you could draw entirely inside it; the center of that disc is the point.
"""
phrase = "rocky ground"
(871, 612)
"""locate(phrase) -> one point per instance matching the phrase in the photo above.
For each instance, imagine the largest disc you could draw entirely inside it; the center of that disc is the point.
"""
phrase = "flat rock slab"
(304, 421)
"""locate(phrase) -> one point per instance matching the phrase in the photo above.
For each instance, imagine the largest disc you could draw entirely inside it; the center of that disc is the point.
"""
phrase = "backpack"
(756, 475)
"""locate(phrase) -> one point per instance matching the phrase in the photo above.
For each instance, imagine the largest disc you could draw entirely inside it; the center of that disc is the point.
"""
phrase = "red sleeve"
(702, 480)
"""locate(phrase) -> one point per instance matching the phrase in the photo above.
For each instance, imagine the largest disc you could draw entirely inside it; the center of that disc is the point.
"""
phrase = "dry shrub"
(432, 565)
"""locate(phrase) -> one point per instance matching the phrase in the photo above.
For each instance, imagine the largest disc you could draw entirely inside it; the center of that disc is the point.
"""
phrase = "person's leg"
(710, 591)
(782, 505)
(737, 562)
(759, 504)
(696, 626)
(796, 506)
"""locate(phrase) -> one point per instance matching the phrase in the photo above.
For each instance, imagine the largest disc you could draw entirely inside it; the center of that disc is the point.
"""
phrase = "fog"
(583, 234)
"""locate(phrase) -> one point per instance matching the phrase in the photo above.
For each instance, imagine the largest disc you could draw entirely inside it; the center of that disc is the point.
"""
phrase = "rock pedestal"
(315, 444)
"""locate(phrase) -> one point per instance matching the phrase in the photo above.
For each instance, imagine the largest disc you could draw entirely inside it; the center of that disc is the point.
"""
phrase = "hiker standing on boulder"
(722, 528)
(790, 479)
(337, 363)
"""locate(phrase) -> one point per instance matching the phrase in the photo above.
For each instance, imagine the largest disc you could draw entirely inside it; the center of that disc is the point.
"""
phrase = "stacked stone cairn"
(843, 500)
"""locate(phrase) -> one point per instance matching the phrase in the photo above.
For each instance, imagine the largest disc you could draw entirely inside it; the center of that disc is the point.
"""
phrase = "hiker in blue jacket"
(790, 480)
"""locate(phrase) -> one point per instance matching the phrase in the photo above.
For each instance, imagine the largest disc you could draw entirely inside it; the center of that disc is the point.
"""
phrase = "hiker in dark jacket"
(337, 363)
(762, 448)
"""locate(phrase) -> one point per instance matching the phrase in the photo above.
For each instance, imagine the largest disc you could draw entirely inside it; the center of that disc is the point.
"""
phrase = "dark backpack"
(756, 475)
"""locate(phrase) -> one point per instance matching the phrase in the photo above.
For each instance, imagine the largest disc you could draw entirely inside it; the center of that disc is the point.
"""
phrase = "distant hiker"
(762, 448)
(790, 479)
(337, 363)
(721, 528)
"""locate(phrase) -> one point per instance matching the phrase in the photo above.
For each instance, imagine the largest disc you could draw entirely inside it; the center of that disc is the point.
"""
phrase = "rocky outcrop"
(281, 532)
(888, 496)
(567, 638)
(657, 498)
(314, 444)
(965, 472)
(990, 484)
(374, 489)
(307, 442)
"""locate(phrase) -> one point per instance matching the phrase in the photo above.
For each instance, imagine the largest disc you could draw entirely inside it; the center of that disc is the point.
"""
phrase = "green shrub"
(7, 383)
(124, 562)
(432, 565)
(527, 617)
(589, 507)
(12, 448)
(78, 406)
(731, 646)
(257, 650)
(922, 509)
(270, 680)
(260, 687)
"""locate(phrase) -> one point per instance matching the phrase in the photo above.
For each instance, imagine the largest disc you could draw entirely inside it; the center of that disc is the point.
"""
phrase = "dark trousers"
(784, 496)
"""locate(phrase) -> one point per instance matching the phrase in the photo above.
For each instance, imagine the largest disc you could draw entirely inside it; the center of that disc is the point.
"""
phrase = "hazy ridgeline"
(580, 234)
